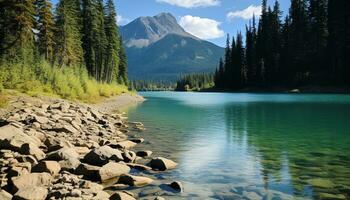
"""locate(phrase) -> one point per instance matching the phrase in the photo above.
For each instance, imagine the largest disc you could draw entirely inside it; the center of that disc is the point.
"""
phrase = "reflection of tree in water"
(301, 145)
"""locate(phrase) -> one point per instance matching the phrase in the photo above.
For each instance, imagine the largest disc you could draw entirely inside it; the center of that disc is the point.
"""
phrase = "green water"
(250, 146)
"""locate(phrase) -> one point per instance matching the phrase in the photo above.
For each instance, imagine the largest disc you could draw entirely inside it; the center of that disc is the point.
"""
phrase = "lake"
(250, 146)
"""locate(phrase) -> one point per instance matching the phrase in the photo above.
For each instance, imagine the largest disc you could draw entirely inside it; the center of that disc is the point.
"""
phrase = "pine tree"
(339, 40)
(45, 26)
(68, 34)
(227, 63)
(239, 67)
(115, 66)
(299, 28)
(318, 36)
(17, 31)
(123, 73)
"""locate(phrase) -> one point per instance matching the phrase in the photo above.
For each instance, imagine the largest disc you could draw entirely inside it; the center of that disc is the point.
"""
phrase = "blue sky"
(207, 19)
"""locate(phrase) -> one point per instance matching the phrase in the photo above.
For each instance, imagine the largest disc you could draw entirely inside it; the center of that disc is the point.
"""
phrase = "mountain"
(158, 48)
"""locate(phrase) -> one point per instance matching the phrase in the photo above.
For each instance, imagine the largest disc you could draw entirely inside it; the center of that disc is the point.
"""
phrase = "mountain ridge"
(158, 48)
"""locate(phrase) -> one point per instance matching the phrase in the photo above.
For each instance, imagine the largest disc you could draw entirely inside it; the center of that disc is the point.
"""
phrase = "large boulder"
(88, 171)
(54, 144)
(137, 181)
(125, 144)
(102, 155)
(31, 193)
(31, 149)
(51, 167)
(31, 180)
(62, 154)
(12, 137)
(162, 164)
(112, 170)
(122, 196)
(69, 164)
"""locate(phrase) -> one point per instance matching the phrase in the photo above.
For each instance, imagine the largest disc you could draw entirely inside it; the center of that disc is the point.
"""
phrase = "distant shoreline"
(296, 90)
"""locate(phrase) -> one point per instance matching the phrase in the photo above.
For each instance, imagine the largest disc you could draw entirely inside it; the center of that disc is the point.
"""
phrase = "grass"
(44, 80)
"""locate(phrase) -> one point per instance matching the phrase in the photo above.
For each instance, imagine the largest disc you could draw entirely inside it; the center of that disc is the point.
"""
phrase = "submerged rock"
(144, 154)
(176, 185)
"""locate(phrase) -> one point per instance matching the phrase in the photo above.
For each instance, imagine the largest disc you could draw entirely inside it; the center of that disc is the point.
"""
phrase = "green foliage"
(50, 60)
(195, 82)
(70, 83)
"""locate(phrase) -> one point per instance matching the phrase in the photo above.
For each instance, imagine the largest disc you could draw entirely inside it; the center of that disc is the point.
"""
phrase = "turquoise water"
(250, 146)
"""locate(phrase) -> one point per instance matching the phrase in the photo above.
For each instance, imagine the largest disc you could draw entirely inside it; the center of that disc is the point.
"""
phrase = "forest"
(195, 82)
(73, 51)
(310, 46)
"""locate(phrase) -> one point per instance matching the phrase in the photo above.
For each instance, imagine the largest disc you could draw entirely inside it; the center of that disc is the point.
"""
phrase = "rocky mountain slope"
(158, 48)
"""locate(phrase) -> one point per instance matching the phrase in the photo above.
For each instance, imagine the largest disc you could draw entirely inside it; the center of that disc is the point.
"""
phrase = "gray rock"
(162, 164)
(129, 156)
(62, 154)
(5, 195)
(70, 164)
(102, 155)
(88, 171)
(51, 167)
(176, 185)
(144, 154)
(12, 137)
(31, 193)
(139, 166)
(137, 181)
(112, 170)
(31, 180)
(121, 196)
(31, 149)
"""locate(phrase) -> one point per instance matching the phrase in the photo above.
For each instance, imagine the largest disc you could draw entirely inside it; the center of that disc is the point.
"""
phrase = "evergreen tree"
(17, 42)
(115, 66)
(339, 40)
(123, 73)
(45, 26)
(318, 36)
(68, 34)
(227, 62)
(239, 67)
(299, 28)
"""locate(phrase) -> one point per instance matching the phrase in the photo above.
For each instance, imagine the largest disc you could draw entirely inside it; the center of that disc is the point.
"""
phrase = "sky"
(210, 20)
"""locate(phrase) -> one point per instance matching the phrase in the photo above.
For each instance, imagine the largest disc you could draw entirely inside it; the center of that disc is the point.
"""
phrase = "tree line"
(77, 34)
(151, 85)
(311, 46)
(195, 82)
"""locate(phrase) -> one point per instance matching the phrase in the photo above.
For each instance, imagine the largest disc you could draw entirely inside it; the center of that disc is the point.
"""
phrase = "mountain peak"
(144, 31)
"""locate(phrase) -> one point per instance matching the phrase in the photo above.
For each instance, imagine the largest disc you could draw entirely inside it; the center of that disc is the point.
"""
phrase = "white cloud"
(191, 3)
(121, 20)
(203, 28)
(245, 13)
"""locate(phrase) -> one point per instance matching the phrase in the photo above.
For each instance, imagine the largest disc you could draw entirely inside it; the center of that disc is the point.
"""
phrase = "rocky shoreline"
(63, 150)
